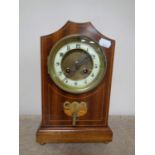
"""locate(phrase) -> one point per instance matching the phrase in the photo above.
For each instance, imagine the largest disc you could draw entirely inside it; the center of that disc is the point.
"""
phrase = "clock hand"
(82, 61)
(78, 64)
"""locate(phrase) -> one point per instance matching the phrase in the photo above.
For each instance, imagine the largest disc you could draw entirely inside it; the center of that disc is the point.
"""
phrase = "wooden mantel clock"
(76, 69)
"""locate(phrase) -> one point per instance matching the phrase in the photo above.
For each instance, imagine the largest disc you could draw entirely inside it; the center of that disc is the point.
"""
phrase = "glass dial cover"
(76, 64)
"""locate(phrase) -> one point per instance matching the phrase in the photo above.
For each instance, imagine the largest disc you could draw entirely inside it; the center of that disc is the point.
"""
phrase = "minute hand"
(76, 66)
(82, 61)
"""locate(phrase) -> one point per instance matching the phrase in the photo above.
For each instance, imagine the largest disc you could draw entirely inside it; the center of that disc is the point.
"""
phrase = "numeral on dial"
(93, 56)
(75, 83)
(60, 73)
(66, 80)
(61, 54)
(95, 66)
(68, 47)
(57, 63)
(92, 75)
(77, 45)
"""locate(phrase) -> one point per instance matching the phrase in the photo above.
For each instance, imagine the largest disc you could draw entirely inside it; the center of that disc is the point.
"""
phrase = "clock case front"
(56, 126)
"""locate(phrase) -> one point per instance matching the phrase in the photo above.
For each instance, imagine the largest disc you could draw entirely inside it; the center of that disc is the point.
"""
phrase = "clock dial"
(76, 64)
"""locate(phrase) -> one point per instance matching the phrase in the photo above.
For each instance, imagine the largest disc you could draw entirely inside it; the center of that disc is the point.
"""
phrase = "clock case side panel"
(110, 52)
(43, 82)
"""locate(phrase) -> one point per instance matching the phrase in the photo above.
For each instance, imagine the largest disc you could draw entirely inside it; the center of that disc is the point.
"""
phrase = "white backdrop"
(113, 18)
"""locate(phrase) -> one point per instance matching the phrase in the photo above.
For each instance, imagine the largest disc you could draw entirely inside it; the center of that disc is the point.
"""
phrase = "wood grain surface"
(53, 97)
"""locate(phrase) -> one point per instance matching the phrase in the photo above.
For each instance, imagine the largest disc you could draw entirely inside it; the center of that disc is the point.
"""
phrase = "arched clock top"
(86, 28)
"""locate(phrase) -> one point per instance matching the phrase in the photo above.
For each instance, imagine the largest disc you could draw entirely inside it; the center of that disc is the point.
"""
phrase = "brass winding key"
(75, 109)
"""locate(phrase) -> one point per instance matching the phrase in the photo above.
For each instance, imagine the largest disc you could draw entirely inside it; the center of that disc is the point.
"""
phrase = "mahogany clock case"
(56, 126)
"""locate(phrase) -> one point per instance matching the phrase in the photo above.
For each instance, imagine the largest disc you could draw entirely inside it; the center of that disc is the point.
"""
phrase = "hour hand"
(77, 64)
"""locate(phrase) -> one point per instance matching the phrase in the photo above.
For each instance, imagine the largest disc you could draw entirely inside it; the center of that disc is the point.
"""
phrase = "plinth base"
(74, 134)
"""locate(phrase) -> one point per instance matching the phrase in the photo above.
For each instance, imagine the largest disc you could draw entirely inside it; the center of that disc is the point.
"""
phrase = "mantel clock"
(76, 71)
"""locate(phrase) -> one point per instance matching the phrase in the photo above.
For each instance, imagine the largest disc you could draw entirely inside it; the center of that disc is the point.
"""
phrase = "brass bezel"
(71, 89)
